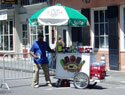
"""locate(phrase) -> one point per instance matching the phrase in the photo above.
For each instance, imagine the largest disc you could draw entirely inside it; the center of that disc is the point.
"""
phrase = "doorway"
(113, 38)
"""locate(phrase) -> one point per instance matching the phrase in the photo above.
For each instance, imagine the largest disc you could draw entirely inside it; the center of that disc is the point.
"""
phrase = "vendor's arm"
(33, 55)
(33, 50)
(49, 49)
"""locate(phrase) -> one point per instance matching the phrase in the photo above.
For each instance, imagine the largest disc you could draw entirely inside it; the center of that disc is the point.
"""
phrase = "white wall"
(121, 29)
(22, 16)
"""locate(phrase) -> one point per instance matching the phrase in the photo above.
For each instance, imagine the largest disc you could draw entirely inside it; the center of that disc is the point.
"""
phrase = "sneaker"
(49, 84)
(35, 86)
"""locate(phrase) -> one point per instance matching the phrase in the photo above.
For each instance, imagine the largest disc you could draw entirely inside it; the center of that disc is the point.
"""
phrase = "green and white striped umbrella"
(58, 15)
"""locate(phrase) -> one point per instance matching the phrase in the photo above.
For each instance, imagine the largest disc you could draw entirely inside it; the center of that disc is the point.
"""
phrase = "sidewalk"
(23, 86)
(115, 77)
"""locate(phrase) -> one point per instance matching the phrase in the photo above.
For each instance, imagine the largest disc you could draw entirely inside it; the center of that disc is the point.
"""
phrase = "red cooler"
(98, 72)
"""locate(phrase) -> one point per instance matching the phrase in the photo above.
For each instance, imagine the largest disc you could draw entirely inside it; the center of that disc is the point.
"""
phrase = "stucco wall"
(79, 4)
(122, 61)
(22, 16)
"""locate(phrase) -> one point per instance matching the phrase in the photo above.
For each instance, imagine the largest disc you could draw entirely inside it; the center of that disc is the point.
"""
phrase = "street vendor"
(60, 44)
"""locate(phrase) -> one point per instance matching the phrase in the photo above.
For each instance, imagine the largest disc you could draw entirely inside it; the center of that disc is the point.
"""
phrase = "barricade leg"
(6, 85)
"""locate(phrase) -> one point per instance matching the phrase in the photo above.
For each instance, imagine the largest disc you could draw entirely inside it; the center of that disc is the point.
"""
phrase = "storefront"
(107, 34)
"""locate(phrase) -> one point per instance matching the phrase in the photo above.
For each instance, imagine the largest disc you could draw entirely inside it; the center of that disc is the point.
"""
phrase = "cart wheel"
(81, 80)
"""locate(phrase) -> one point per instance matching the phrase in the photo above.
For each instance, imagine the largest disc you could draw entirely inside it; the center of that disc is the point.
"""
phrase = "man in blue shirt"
(38, 52)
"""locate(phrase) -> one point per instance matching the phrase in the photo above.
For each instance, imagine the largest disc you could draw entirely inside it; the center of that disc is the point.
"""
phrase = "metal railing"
(19, 66)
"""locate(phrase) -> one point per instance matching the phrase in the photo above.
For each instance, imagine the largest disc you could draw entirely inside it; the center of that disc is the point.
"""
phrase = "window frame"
(124, 27)
(33, 34)
(93, 29)
(10, 36)
(31, 2)
(25, 37)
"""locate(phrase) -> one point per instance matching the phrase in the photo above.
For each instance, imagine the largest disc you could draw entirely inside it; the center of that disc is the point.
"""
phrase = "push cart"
(76, 67)
(72, 66)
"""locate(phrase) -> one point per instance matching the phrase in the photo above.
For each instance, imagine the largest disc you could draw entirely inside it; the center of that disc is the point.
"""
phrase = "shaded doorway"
(113, 38)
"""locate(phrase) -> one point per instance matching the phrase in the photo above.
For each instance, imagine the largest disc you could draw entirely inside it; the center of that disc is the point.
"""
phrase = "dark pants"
(36, 73)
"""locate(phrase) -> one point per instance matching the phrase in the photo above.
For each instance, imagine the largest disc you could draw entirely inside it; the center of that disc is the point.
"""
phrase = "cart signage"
(8, 1)
(55, 12)
(72, 63)
(68, 64)
(3, 15)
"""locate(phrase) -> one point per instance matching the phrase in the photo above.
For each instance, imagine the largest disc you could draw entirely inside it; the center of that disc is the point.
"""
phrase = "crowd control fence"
(14, 66)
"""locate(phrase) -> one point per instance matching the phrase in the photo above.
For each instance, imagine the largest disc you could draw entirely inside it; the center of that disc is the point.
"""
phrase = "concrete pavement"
(23, 86)
(115, 77)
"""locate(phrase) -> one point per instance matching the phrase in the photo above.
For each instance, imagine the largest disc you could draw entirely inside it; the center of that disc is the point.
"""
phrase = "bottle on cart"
(102, 60)
(91, 50)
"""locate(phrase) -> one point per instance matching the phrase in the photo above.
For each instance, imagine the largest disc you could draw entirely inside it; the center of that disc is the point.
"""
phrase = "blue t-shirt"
(39, 49)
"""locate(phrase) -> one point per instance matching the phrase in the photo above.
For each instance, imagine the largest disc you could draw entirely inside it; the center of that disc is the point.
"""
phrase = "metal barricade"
(52, 63)
(19, 66)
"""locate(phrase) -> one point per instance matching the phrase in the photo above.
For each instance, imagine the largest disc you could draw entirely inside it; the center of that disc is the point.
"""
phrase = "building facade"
(106, 33)
(107, 28)
(14, 26)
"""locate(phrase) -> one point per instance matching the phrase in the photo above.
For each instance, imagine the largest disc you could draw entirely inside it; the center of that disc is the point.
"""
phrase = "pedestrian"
(38, 52)
(60, 44)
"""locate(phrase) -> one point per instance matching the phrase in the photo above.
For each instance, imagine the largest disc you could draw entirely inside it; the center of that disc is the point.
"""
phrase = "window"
(6, 35)
(64, 36)
(24, 34)
(77, 35)
(101, 29)
(34, 32)
(25, 2)
(47, 34)
(29, 2)
(124, 28)
(33, 35)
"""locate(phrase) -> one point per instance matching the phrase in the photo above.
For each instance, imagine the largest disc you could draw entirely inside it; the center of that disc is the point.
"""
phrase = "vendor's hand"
(53, 50)
(36, 57)
(33, 55)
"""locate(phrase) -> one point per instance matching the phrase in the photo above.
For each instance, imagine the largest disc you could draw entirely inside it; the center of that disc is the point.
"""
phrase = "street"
(22, 87)
(101, 89)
